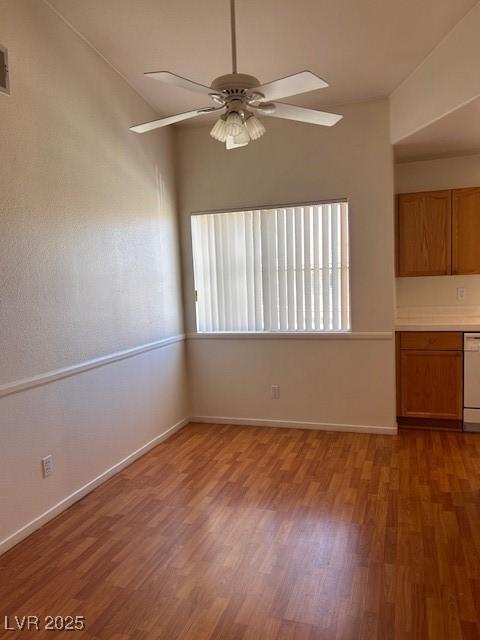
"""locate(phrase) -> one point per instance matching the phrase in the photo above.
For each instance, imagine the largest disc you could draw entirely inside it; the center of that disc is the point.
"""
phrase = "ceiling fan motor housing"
(235, 83)
(234, 91)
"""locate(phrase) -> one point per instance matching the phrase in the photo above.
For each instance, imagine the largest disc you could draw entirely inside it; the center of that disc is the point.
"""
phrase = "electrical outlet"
(461, 293)
(47, 466)
(275, 392)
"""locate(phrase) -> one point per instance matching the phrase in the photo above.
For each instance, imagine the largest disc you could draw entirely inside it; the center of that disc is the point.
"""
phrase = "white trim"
(66, 372)
(311, 335)
(289, 424)
(268, 207)
(51, 513)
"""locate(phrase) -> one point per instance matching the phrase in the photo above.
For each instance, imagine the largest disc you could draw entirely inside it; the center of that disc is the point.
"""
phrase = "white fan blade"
(178, 81)
(291, 85)
(312, 116)
(164, 122)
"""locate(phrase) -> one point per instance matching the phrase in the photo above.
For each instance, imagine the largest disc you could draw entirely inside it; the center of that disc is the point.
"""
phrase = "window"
(282, 269)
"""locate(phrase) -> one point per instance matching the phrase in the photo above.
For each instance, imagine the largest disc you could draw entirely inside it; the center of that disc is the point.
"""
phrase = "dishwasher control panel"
(471, 342)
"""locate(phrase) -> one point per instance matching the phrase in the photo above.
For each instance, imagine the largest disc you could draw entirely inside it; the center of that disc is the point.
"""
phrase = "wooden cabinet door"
(424, 233)
(466, 231)
(431, 384)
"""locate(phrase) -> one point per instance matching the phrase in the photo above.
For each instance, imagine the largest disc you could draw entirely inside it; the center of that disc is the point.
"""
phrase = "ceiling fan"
(241, 97)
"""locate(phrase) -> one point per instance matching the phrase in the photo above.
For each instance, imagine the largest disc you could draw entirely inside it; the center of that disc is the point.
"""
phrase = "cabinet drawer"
(431, 340)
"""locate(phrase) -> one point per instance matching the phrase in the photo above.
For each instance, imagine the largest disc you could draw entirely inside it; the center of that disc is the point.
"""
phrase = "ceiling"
(456, 134)
(362, 48)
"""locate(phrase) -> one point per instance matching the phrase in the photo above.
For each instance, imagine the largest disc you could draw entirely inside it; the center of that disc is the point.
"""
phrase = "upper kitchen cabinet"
(466, 231)
(424, 226)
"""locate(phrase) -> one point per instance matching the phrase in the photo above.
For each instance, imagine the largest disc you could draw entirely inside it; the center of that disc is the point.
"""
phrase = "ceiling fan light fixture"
(234, 123)
(219, 130)
(254, 127)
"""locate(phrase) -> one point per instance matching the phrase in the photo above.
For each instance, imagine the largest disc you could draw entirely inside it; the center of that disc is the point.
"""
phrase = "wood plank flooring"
(229, 533)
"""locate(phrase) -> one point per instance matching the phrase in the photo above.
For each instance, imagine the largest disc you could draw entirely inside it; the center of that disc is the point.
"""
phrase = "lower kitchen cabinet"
(430, 379)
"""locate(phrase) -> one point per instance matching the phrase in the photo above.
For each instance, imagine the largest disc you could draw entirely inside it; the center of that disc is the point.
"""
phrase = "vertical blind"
(282, 269)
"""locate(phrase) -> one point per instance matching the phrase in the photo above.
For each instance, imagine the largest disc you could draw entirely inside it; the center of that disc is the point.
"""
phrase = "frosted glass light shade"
(234, 123)
(240, 140)
(255, 128)
(231, 144)
(219, 130)
(242, 137)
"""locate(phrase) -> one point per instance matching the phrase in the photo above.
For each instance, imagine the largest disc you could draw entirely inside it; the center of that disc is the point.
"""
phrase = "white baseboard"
(316, 426)
(54, 511)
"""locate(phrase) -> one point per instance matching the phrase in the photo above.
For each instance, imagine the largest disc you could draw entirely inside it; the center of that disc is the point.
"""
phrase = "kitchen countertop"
(438, 318)
(435, 325)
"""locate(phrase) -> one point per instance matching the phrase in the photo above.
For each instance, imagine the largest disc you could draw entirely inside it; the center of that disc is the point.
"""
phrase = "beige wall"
(440, 291)
(442, 173)
(88, 247)
(347, 381)
(446, 80)
(89, 265)
(334, 384)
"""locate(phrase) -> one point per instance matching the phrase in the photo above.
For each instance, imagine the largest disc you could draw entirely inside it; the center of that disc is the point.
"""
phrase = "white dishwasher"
(471, 382)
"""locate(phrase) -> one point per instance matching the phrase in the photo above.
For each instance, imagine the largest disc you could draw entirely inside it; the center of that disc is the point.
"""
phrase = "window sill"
(300, 335)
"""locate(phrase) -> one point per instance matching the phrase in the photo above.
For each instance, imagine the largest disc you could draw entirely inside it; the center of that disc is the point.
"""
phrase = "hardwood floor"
(230, 533)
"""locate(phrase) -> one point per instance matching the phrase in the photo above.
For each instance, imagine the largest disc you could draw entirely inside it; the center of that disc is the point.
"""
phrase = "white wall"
(438, 295)
(335, 382)
(443, 173)
(89, 266)
(446, 80)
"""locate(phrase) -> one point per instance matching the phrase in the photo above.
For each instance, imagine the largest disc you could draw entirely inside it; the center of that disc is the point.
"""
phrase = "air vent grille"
(4, 84)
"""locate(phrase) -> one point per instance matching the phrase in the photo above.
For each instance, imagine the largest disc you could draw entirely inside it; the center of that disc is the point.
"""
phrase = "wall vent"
(4, 84)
